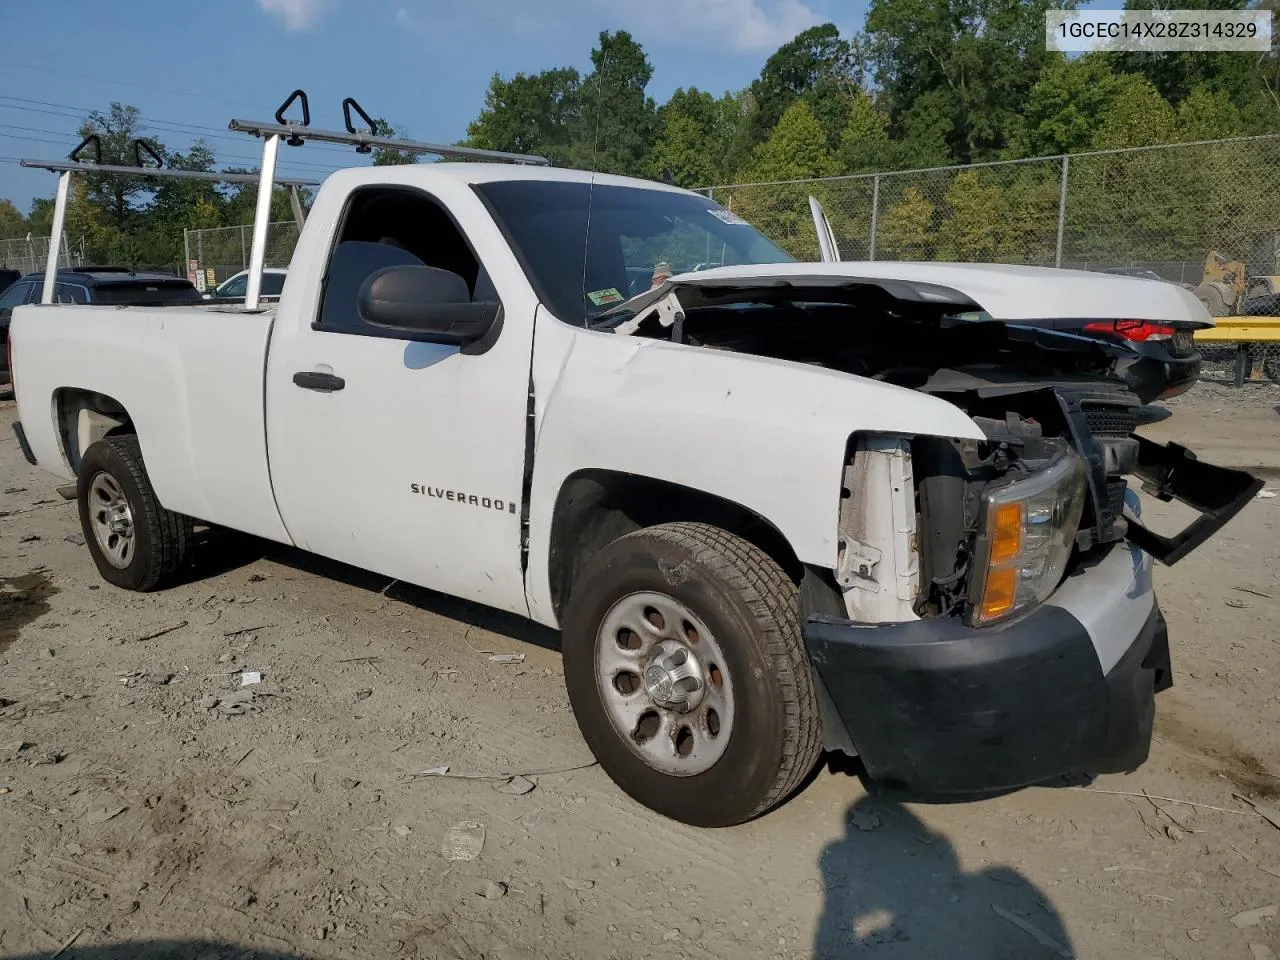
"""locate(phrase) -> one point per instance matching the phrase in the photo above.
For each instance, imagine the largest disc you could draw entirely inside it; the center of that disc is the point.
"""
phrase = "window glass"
(235, 287)
(272, 284)
(620, 240)
(387, 228)
(14, 296)
(146, 293)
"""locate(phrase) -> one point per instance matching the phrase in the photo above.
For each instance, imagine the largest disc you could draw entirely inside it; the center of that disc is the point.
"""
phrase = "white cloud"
(744, 26)
(296, 14)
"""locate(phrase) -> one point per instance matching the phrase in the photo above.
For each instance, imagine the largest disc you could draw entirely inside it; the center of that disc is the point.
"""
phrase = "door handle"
(313, 380)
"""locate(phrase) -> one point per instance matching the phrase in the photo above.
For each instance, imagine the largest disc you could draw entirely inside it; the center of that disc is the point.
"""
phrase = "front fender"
(770, 435)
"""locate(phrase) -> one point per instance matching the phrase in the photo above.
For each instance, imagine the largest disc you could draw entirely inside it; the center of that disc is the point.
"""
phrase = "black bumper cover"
(22, 442)
(942, 708)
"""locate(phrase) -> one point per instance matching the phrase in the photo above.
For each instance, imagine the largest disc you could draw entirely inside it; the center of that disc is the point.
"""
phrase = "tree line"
(925, 83)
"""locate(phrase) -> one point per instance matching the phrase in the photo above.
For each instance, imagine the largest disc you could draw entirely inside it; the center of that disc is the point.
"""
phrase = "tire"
(1212, 298)
(113, 485)
(744, 615)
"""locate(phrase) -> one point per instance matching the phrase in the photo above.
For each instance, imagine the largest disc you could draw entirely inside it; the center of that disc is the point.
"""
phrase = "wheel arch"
(594, 507)
(83, 417)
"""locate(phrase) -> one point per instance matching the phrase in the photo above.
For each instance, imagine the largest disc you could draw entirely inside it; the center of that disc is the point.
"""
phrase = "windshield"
(638, 238)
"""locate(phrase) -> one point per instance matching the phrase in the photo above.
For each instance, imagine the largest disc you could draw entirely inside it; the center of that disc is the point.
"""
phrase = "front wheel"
(135, 542)
(688, 676)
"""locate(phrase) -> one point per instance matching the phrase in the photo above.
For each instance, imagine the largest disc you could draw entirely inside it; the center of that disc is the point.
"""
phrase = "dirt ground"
(139, 806)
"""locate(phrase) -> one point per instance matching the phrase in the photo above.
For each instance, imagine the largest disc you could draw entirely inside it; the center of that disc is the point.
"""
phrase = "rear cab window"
(145, 293)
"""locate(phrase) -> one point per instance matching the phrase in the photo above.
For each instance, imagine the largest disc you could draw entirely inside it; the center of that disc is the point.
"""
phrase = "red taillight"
(1138, 330)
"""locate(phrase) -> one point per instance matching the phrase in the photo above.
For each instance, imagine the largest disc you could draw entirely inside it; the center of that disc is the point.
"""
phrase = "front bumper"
(939, 707)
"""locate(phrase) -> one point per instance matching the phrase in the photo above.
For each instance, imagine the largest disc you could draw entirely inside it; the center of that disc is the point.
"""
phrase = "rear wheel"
(135, 542)
(688, 675)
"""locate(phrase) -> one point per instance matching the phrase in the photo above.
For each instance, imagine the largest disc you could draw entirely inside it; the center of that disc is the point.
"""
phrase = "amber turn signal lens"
(1005, 530)
(1000, 592)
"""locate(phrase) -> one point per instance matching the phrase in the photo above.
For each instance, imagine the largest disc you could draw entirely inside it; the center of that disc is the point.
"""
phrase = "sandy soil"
(139, 819)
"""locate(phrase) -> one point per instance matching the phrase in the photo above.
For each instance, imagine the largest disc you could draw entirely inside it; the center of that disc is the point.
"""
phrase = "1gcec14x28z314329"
(773, 507)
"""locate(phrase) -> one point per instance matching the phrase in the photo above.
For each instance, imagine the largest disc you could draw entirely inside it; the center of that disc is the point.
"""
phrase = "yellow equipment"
(1226, 285)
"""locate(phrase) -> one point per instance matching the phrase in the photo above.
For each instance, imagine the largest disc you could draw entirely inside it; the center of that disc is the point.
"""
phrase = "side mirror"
(428, 302)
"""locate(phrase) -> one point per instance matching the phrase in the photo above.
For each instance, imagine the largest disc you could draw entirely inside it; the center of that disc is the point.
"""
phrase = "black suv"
(109, 286)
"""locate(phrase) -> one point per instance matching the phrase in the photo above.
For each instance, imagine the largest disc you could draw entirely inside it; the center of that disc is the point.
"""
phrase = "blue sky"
(422, 64)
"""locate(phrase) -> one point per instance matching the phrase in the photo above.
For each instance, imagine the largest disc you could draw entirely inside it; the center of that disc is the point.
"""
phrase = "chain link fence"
(31, 253)
(215, 254)
(1163, 209)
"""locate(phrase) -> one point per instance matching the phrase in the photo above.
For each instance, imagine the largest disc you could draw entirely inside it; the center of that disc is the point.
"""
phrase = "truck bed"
(190, 376)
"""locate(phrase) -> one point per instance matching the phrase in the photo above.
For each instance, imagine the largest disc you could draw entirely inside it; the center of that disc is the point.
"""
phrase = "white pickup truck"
(773, 507)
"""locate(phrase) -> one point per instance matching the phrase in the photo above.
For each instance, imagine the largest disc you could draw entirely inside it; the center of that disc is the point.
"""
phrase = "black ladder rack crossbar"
(296, 132)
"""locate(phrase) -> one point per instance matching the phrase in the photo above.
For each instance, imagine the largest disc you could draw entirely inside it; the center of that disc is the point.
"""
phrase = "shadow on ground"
(221, 551)
(162, 950)
(891, 884)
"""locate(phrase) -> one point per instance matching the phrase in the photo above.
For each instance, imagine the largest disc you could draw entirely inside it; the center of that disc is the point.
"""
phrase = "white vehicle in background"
(236, 287)
(773, 507)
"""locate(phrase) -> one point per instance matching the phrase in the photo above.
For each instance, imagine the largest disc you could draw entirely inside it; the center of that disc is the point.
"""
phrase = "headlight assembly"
(1028, 529)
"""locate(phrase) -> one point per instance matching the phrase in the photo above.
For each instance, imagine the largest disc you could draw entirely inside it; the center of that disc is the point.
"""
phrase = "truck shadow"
(218, 552)
(893, 884)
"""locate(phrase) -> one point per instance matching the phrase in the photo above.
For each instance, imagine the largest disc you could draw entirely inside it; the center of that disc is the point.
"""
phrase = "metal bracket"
(856, 565)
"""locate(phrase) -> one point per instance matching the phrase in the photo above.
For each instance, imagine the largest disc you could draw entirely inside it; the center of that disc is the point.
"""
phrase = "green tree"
(1138, 117)
(974, 61)
(796, 150)
(1066, 107)
(864, 143)
(905, 231)
(530, 113)
(12, 222)
(972, 227)
(384, 157)
(180, 205)
(818, 62)
(120, 196)
(1208, 115)
(615, 128)
(694, 133)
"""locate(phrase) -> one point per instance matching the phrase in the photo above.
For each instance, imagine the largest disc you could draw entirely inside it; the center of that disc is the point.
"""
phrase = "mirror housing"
(425, 303)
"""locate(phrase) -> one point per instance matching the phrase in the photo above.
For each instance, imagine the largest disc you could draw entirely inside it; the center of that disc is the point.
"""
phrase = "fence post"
(1062, 208)
(244, 260)
(186, 252)
(875, 214)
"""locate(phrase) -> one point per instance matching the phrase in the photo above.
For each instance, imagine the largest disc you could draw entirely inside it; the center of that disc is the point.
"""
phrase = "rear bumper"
(942, 708)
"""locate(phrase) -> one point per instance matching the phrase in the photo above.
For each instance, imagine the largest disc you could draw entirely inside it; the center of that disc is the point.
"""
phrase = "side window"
(387, 227)
(272, 284)
(69, 293)
(15, 295)
(236, 288)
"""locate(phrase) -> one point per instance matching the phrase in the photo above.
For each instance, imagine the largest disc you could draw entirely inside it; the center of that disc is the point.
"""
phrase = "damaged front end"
(1000, 625)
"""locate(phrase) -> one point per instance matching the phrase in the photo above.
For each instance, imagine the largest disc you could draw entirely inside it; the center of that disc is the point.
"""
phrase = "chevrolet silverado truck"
(774, 508)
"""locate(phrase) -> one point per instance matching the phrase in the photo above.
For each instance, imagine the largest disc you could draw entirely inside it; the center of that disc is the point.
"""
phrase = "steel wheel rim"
(664, 683)
(111, 519)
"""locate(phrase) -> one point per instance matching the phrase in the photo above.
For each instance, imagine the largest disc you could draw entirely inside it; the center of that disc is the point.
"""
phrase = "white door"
(392, 454)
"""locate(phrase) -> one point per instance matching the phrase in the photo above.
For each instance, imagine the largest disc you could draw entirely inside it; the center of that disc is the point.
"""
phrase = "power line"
(205, 132)
(121, 83)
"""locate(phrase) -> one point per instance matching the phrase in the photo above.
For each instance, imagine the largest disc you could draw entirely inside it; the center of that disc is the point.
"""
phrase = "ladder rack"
(293, 133)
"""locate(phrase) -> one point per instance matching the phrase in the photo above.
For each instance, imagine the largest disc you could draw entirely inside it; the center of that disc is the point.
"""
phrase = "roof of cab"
(495, 172)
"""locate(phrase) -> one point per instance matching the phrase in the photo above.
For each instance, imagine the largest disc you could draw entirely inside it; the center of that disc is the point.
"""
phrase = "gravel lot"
(144, 800)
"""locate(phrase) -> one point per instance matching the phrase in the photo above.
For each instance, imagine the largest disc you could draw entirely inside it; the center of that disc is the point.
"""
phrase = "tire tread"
(773, 600)
(172, 531)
